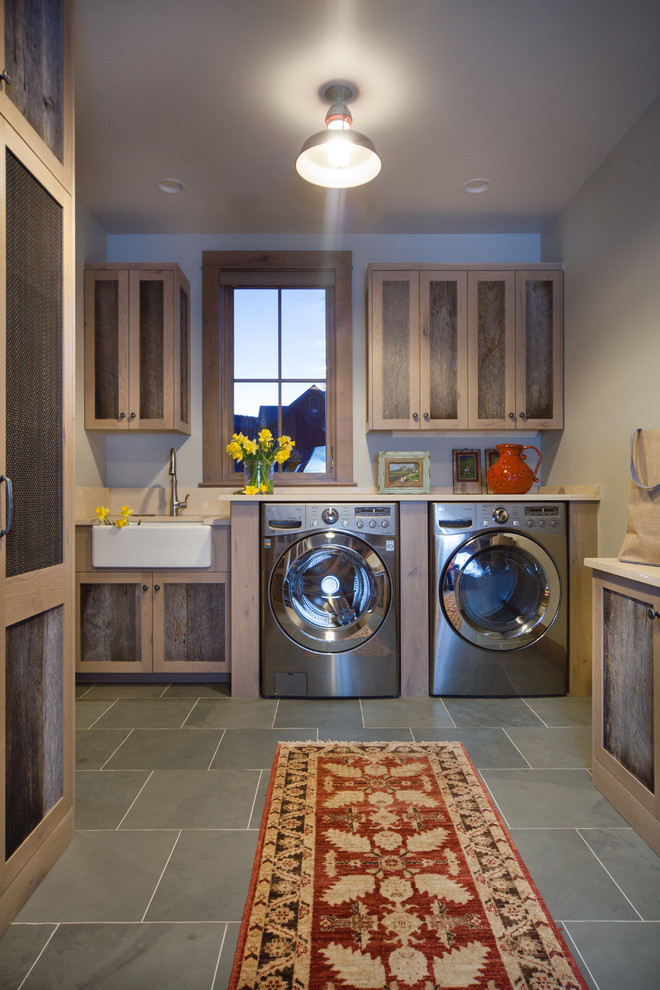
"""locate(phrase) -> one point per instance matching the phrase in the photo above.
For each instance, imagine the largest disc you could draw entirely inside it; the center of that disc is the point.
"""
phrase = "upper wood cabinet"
(418, 350)
(477, 349)
(36, 90)
(137, 348)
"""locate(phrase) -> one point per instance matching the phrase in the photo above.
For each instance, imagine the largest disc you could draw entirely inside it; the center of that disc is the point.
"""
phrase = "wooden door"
(491, 350)
(394, 398)
(443, 350)
(190, 616)
(151, 348)
(36, 554)
(114, 625)
(539, 347)
(107, 401)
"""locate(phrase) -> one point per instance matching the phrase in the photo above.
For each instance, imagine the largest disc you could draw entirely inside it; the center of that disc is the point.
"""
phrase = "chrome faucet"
(175, 505)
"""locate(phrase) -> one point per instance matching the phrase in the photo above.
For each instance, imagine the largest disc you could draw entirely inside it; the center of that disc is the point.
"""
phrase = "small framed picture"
(467, 471)
(492, 455)
(404, 471)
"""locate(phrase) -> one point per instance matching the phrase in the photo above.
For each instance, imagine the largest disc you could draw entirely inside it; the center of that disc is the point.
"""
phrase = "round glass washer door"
(329, 597)
(500, 591)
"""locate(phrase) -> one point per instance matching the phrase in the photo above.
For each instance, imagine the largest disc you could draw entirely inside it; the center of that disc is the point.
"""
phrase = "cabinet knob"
(415, 417)
(156, 587)
(122, 415)
(132, 415)
(523, 416)
(653, 614)
(145, 587)
(426, 417)
(512, 415)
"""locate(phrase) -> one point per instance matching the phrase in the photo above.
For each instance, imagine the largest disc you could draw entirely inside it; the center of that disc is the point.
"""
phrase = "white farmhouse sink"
(152, 545)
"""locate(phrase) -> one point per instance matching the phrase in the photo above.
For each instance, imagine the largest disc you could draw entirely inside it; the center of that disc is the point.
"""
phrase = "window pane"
(303, 419)
(255, 333)
(255, 407)
(303, 333)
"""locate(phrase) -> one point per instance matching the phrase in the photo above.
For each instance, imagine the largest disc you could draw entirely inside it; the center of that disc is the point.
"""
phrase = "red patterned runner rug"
(385, 865)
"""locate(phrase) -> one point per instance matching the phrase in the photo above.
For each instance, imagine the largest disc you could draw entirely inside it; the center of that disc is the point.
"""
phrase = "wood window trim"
(328, 268)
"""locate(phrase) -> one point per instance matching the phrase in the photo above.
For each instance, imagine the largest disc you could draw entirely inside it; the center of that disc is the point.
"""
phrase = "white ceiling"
(221, 94)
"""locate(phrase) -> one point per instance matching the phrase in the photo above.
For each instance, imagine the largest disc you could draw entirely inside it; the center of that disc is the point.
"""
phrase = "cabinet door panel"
(628, 651)
(106, 350)
(491, 323)
(190, 623)
(114, 626)
(182, 368)
(539, 388)
(443, 350)
(395, 351)
(151, 340)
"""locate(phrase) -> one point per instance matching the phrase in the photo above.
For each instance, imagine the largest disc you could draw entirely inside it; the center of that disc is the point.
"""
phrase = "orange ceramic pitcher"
(510, 475)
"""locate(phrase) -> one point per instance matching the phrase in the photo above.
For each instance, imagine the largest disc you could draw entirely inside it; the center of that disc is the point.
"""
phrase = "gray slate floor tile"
(207, 877)
(480, 712)
(562, 711)
(570, 879)
(569, 746)
(19, 947)
(338, 713)
(103, 797)
(400, 712)
(237, 713)
(489, 747)
(166, 749)
(621, 955)
(550, 799)
(135, 713)
(95, 747)
(129, 957)
(194, 799)
(252, 749)
(632, 864)
(101, 876)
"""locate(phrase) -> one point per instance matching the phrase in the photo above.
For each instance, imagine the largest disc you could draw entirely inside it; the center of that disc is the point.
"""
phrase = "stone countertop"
(219, 520)
(642, 573)
(584, 493)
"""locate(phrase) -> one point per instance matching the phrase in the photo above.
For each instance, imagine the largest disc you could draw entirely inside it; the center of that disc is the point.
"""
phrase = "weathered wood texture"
(151, 332)
(34, 61)
(106, 349)
(396, 331)
(443, 345)
(539, 339)
(628, 652)
(491, 350)
(34, 723)
(195, 627)
(111, 623)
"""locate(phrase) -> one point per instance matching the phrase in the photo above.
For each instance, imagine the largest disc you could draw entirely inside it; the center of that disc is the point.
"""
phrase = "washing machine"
(329, 600)
(499, 606)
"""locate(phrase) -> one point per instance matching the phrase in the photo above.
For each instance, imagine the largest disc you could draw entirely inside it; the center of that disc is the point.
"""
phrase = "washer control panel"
(372, 518)
(533, 517)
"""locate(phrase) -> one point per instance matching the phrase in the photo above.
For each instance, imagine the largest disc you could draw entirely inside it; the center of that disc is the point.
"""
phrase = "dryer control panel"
(365, 518)
(533, 517)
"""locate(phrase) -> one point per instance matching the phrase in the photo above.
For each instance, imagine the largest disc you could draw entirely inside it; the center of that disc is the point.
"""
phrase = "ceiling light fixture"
(338, 157)
(171, 186)
(476, 186)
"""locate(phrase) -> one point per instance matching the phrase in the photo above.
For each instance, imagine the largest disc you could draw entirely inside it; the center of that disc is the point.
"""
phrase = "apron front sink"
(152, 545)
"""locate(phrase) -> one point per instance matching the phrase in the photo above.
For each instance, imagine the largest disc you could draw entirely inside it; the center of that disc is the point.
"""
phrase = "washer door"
(500, 591)
(330, 597)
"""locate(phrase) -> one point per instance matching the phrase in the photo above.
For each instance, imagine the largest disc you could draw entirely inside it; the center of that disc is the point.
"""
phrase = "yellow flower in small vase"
(259, 457)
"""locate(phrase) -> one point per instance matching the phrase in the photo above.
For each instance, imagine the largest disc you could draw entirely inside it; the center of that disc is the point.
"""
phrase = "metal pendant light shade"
(339, 157)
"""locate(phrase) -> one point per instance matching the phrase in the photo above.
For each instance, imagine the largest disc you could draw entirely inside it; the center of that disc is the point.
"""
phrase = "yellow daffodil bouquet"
(121, 521)
(259, 456)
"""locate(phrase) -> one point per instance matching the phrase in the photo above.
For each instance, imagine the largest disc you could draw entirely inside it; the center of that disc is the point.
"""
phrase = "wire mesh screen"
(34, 372)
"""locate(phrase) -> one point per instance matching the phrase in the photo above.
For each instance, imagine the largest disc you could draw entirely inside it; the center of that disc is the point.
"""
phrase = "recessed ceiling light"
(476, 185)
(171, 186)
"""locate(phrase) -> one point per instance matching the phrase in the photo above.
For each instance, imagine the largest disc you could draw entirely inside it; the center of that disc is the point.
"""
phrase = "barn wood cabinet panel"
(137, 348)
(152, 622)
(626, 700)
(36, 448)
(477, 348)
(36, 95)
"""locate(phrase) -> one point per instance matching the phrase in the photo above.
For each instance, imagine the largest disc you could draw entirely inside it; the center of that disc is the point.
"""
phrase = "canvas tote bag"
(641, 544)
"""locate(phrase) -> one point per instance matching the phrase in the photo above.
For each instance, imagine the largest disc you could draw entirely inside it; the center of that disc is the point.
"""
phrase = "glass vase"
(258, 477)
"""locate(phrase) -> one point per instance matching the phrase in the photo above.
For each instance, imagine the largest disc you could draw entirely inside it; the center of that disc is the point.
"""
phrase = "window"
(277, 355)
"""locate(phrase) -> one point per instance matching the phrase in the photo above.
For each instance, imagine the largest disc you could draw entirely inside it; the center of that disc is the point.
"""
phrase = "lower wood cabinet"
(152, 622)
(626, 695)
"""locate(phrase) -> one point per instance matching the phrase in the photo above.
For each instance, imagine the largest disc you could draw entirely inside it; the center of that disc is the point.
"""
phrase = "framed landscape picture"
(404, 471)
(466, 471)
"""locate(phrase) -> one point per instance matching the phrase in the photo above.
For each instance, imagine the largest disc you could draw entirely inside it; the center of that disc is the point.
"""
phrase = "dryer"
(329, 600)
(499, 605)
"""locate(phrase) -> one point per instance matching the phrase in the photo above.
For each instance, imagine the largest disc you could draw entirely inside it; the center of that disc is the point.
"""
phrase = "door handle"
(7, 482)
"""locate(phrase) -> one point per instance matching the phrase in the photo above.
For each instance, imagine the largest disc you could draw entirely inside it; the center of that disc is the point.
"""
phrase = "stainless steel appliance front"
(499, 599)
(329, 622)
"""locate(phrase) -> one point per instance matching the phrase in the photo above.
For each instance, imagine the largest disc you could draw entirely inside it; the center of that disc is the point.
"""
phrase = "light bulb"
(339, 151)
